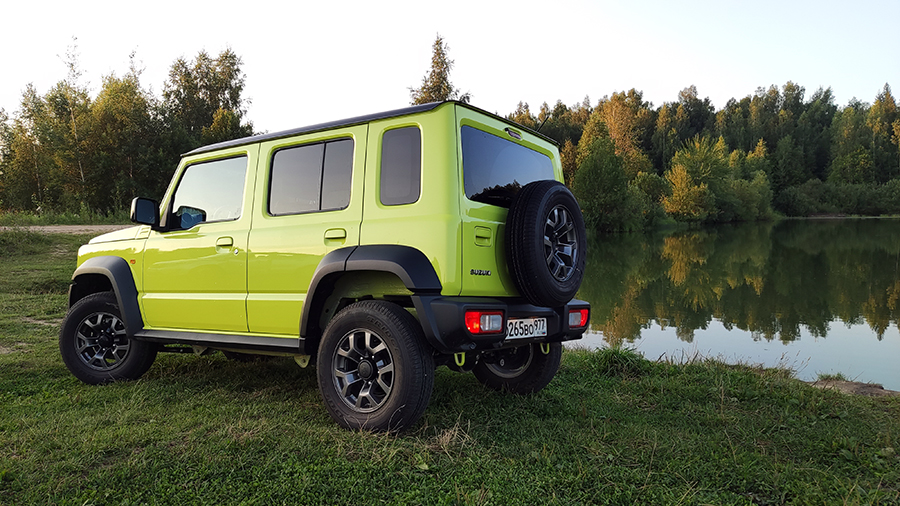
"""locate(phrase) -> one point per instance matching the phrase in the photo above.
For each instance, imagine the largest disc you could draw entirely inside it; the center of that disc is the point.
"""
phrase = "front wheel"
(95, 347)
(521, 370)
(375, 371)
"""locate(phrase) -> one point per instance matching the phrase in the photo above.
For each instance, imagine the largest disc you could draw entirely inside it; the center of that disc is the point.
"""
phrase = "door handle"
(333, 234)
(483, 236)
(224, 242)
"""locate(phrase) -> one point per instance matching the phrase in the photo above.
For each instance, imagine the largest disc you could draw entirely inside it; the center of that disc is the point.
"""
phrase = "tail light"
(578, 318)
(484, 322)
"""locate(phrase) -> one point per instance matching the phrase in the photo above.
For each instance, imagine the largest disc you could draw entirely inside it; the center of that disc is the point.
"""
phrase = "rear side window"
(313, 177)
(401, 166)
(210, 191)
(494, 168)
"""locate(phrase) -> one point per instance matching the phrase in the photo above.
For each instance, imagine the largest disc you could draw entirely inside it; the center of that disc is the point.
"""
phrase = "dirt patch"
(855, 388)
(73, 229)
(49, 323)
(16, 347)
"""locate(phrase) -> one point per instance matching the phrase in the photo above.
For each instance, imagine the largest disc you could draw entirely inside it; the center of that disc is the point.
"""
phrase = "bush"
(602, 190)
(815, 197)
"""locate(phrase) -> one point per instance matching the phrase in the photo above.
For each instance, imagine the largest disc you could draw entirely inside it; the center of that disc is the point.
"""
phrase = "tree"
(788, 169)
(853, 168)
(733, 123)
(700, 178)
(880, 121)
(126, 146)
(567, 156)
(700, 115)
(849, 130)
(195, 91)
(562, 123)
(688, 201)
(665, 137)
(628, 120)
(896, 140)
(764, 115)
(522, 115)
(813, 132)
(436, 85)
(705, 161)
(602, 189)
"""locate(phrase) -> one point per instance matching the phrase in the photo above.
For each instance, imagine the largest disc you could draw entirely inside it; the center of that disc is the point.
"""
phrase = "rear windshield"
(494, 168)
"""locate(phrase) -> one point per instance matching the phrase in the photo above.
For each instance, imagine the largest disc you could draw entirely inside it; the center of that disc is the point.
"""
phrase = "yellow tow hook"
(545, 348)
(460, 359)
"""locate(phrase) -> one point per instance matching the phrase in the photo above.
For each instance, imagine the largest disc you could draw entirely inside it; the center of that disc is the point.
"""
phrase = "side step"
(289, 345)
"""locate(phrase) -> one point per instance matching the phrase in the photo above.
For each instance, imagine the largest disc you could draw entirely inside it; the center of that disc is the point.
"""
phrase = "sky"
(310, 62)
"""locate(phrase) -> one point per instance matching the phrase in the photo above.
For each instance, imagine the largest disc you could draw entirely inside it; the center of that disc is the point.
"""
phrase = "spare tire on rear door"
(545, 243)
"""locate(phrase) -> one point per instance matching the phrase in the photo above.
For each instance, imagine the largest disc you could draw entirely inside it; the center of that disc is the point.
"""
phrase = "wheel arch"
(408, 264)
(109, 274)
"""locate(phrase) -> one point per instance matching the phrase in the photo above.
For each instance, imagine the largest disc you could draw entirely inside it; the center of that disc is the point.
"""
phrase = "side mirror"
(145, 212)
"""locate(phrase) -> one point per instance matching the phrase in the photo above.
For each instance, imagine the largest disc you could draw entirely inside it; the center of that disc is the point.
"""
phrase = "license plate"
(521, 328)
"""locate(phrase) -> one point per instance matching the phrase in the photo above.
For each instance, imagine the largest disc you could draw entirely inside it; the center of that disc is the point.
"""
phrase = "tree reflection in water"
(769, 279)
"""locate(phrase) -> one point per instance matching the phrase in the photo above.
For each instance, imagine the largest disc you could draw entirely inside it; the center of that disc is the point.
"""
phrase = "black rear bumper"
(443, 320)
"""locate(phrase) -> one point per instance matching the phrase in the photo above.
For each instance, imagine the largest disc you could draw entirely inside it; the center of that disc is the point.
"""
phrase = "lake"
(814, 296)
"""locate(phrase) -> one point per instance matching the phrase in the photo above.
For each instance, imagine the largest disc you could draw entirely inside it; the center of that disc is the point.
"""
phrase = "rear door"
(308, 203)
(497, 161)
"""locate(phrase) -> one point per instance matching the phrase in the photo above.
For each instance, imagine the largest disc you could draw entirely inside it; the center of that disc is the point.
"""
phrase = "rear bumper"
(443, 320)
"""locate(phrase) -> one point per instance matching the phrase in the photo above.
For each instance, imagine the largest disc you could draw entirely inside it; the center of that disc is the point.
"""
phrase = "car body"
(393, 225)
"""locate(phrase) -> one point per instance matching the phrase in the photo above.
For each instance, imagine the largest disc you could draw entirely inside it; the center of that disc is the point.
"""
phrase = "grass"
(85, 217)
(612, 428)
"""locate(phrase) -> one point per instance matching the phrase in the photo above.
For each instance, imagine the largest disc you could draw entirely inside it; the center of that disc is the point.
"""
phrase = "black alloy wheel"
(95, 346)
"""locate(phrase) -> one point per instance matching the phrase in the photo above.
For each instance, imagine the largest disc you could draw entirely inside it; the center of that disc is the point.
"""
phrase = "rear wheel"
(375, 371)
(95, 347)
(521, 370)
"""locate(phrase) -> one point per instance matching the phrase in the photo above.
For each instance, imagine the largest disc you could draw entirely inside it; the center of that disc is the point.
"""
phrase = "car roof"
(358, 120)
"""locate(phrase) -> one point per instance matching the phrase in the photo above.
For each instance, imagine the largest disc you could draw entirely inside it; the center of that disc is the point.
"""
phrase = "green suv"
(380, 246)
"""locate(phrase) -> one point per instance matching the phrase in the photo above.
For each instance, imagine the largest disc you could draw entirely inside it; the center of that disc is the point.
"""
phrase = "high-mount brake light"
(484, 322)
(578, 318)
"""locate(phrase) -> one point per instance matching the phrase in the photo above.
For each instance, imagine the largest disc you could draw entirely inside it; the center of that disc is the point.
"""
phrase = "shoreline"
(854, 388)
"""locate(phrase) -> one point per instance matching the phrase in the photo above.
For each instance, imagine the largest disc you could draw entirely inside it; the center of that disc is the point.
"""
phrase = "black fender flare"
(118, 273)
(407, 263)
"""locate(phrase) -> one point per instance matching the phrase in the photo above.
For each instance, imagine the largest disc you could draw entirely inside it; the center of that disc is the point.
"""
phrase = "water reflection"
(769, 282)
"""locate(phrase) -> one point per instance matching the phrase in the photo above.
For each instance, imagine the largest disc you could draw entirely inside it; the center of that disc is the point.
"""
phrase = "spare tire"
(546, 243)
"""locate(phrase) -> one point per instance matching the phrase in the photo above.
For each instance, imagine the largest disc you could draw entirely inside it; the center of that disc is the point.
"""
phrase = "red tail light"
(578, 318)
(484, 322)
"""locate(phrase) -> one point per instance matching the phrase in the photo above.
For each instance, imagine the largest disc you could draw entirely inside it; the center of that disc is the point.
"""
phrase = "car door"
(195, 272)
(308, 203)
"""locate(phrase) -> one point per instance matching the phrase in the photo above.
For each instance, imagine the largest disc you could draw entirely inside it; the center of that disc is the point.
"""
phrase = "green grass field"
(612, 428)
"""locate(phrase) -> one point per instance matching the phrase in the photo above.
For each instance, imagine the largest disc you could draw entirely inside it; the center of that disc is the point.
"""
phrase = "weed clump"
(620, 363)
(20, 242)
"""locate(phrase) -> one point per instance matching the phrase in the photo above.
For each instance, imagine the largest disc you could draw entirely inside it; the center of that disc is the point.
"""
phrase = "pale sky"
(309, 62)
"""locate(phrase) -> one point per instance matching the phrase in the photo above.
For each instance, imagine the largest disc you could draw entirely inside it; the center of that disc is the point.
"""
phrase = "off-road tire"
(94, 346)
(375, 370)
(546, 243)
(522, 370)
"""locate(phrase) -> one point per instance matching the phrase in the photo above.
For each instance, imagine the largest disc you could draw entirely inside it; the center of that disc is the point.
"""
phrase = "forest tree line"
(66, 151)
(631, 164)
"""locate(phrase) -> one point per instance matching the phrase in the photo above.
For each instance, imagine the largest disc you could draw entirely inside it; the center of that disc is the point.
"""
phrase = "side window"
(313, 177)
(401, 166)
(210, 191)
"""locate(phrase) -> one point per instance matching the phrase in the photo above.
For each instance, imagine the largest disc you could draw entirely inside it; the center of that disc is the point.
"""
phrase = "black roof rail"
(359, 120)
